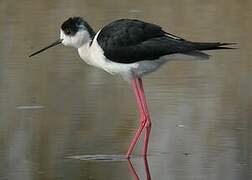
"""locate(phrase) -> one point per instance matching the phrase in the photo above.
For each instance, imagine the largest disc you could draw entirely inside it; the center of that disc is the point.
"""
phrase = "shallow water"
(61, 119)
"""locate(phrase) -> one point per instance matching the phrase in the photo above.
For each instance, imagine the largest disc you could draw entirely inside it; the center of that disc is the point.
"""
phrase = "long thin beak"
(59, 41)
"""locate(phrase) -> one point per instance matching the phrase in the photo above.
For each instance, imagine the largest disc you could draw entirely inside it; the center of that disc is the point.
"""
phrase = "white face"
(79, 39)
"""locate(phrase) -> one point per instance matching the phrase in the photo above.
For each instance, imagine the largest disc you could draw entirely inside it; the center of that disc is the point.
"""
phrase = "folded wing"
(129, 41)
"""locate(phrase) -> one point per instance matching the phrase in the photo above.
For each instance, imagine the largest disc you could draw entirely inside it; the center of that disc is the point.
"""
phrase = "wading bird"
(130, 48)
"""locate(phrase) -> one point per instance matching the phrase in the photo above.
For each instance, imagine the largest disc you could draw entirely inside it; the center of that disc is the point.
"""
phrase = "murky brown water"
(54, 106)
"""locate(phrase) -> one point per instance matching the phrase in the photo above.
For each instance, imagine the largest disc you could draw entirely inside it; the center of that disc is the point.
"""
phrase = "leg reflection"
(146, 168)
(132, 170)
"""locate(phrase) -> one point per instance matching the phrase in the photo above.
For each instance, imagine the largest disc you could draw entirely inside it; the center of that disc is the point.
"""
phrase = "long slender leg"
(144, 117)
(148, 123)
(134, 141)
(140, 105)
(146, 139)
(136, 88)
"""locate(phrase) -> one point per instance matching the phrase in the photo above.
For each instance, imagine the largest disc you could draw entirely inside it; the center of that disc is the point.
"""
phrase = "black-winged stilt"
(130, 48)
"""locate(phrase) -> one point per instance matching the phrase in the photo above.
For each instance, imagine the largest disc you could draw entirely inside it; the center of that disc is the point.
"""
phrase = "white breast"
(94, 56)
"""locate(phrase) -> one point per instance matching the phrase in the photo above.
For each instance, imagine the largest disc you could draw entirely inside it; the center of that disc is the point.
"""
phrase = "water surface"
(54, 107)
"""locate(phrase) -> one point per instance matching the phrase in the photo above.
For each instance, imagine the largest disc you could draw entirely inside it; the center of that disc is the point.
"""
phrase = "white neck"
(84, 52)
(92, 53)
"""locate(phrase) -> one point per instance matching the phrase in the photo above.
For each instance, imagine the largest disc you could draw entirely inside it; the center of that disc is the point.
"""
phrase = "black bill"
(45, 48)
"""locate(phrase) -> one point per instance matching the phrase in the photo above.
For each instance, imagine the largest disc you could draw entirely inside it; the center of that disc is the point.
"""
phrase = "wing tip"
(224, 45)
(213, 45)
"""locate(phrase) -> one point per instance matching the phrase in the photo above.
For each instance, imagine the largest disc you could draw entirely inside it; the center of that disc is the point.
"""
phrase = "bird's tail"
(212, 46)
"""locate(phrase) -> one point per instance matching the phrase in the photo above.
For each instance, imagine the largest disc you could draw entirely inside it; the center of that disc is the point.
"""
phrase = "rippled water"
(61, 119)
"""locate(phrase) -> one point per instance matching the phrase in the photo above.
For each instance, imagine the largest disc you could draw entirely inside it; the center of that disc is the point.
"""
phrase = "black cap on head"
(73, 24)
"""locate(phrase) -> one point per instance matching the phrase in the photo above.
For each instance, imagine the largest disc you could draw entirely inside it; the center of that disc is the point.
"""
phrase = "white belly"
(94, 56)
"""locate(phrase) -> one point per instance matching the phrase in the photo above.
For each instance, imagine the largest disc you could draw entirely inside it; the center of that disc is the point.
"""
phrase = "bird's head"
(74, 32)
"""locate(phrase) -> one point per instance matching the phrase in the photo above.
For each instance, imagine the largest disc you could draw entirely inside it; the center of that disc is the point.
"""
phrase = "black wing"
(129, 41)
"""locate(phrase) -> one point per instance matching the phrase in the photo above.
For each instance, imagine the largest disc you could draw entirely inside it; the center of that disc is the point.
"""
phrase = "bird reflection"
(134, 172)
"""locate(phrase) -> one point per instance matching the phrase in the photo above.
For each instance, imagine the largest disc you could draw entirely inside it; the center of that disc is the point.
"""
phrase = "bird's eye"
(67, 31)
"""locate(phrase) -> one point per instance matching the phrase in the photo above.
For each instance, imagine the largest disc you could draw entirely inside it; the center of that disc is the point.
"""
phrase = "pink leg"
(135, 85)
(134, 141)
(148, 120)
(144, 116)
